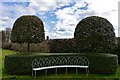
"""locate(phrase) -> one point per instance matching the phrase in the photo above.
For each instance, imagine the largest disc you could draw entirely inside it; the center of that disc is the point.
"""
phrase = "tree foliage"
(8, 34)
(3, 36)
(28, 29)
(94, 34)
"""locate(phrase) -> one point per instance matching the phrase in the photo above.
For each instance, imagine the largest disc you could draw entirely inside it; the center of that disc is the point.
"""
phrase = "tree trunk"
(28, 47)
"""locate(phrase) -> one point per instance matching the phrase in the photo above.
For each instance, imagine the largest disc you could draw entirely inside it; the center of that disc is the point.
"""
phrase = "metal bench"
(60, 62)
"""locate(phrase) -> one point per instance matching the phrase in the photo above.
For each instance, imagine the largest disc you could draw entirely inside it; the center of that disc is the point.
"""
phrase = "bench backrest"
(60, 60)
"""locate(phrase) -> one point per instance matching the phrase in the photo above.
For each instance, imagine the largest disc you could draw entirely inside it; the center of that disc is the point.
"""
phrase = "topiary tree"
(28, 29)
(94, 34)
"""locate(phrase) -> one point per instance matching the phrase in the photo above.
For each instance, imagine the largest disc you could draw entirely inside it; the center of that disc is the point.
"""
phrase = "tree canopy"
(28, 29)
(94, 34)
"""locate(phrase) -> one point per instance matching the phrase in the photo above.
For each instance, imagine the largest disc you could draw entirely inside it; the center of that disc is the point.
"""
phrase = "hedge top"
(28, 29)
(62, 54)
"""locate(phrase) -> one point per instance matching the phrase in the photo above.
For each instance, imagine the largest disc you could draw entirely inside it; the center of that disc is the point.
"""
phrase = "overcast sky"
(60, 17)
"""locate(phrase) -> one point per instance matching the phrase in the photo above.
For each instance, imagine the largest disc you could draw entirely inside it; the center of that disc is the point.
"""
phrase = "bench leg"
(76, 71)
(56, 71)
(46, 72)
(35, 73)
(66, 70)
(32, 73)
(87, 71)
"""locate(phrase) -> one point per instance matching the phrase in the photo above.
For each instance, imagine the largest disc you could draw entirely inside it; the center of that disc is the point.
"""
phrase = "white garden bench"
(60, 62)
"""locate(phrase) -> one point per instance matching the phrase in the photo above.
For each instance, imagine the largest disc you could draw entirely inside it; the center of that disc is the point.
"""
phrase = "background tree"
(0, 39)
(94, 34)
(8, 34)
(3, 36)
(5, 39)
(28, 29)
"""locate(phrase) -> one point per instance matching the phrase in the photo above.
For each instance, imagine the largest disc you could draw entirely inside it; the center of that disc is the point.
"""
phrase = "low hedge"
(6, 45)
(99, 63)
(61, 45)
(34, 47)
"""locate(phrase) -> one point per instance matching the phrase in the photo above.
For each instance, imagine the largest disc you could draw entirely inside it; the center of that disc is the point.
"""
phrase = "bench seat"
(61, 66)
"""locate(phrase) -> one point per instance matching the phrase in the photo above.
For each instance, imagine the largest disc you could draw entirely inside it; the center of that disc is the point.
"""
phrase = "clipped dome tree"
(94, 34)
(28, 29)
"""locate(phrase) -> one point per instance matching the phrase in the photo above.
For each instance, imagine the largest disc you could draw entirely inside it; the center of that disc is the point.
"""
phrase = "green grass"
(4, 75)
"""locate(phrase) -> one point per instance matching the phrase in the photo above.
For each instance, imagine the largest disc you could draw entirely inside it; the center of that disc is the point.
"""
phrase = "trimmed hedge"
(61, 45)
(52, 46)
(99, 63)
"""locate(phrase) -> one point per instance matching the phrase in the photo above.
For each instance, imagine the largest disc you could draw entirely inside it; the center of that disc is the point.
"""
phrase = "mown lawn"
(71, 76)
